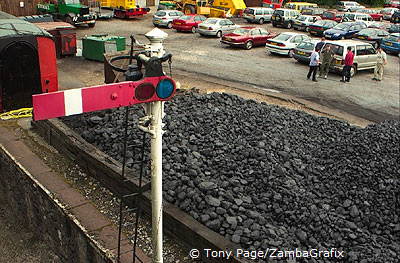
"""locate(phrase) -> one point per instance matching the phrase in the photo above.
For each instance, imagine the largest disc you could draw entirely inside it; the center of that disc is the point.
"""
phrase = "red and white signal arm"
(77, 101)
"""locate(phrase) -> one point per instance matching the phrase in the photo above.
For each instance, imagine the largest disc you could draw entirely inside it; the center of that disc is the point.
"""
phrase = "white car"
(349, 6)
(358, 17)
(284, 43)
(302, 22)
(216, 27)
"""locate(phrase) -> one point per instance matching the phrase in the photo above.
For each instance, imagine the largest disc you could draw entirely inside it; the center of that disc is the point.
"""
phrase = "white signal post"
(155, 112)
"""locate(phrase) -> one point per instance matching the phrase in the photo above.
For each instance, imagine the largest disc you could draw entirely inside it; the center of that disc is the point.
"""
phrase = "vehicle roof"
(395, 34)
(286, 9)
(355, 13)
(216, 18)
(248, 27)
(260, 7)
(292, 33)
(18, 27)
(347, 42)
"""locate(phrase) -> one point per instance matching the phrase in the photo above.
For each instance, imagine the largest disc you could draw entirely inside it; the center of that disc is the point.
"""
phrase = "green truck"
(70, 11)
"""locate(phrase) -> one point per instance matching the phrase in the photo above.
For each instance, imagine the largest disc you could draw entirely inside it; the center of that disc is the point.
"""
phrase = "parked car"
(303, 51)
(391, 43)
(188, 23)
(395, 17)
(247, 37)
(381, 25)
(299, 5)
(285, 42)
(303, 21)
(358, 17)
(364, 55)
(312, 11)
(388, 12)
(318, 28)
(165, 17)
(392, 3)
(284, 17)
(348, 6)
(344, 30)
(394, 28)
(258, 14)
(333, 15)
(372, 36)
(376, 16)
(216, 27)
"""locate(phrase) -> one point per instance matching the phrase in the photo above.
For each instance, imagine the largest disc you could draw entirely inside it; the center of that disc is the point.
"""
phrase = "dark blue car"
(344, 30)
(391, 43)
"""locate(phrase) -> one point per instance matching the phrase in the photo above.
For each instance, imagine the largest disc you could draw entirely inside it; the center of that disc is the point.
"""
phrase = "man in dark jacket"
(327, 58)
(348, 64)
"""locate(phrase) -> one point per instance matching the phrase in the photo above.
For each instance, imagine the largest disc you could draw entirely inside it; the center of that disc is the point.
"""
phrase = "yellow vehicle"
(125, 4)
(299, 5)
(210, 8)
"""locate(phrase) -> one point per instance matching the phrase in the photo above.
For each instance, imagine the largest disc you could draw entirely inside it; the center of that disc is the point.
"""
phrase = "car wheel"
(261, 21)
(290, 53)
(219, 34)
(353, 70)
(193, 30)
(68, 20)
(380, 19)
(307, 29)
(289, 25)
(274, 24)
(249, 44)
(169, 25)
(91, 25)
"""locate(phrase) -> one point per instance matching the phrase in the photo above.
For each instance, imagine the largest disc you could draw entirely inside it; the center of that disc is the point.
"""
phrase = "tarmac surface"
(208, 59)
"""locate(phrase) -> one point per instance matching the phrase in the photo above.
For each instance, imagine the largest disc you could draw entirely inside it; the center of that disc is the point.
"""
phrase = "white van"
(358, 17)
(258, 14)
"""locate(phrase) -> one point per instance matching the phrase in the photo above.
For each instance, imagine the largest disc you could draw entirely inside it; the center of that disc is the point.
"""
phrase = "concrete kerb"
(107, 171)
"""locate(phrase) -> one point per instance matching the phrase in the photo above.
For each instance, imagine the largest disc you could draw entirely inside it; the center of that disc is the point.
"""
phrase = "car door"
(371, 56)
(230, 26)
(256, 36)
(264, 35)
(360, 56)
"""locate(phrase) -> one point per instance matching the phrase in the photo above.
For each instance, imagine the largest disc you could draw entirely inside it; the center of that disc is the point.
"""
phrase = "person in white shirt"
(314, 63)
(380, 63)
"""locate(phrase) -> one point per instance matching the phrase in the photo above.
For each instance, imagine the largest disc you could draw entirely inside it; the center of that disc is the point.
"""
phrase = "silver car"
(258, 14)
(303, 21)
(165, 17)
(388, 12)
(216, 27)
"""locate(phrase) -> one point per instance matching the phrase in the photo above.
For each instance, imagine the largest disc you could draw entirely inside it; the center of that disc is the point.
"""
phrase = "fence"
(19, 7)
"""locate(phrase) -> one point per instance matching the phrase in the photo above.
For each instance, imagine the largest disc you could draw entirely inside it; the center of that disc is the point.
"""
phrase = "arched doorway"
(19, 75)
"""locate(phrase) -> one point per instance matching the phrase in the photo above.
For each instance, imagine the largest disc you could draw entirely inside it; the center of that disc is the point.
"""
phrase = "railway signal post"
(151, 91)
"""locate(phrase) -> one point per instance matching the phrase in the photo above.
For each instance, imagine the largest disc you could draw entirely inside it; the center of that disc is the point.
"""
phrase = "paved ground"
(208, 58)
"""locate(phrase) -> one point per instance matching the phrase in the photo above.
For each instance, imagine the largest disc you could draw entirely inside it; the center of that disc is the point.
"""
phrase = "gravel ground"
(264, 176)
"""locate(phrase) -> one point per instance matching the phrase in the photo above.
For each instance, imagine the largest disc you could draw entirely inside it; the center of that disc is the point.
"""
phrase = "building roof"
(12, 26)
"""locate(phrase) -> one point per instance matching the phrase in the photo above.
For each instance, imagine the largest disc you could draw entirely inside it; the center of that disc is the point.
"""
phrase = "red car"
(373, 13)
(333, 15)
(247, 37)
(392, 3)
(188, 22)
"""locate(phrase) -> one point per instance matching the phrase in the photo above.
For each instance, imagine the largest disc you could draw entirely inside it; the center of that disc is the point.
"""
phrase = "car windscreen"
(279, 12)
(185, 17)
(241, 31)
(328, 14)
(302, 18)
(341, 26)
(368, 32)
(249, 11)
(306, 45)
(349, 16)
(160, 13)
(320, 22)
(282, 37)
(210, 21)
(393, 38)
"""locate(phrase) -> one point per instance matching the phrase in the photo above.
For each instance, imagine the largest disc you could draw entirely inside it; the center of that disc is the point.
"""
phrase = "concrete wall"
(45, 216)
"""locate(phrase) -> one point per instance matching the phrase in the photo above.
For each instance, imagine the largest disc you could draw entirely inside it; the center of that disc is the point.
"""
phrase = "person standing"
(380, 62)
(314, 62)
(348, 64)
(327, 56)
(320, 44)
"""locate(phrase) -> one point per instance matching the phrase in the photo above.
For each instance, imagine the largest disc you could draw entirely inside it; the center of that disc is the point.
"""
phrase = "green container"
(94, 47)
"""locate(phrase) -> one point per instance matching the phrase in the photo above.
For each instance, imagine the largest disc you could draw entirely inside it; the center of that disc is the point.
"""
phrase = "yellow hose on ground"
(16, 114)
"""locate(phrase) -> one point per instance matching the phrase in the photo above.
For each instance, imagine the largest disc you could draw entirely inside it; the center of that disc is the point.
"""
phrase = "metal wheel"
(193, 30)
(249, 45)
(68, 20)
(289, 25)
(274, 24)
(169, 25)
(353, 70)
(261, 21)
(219, 34)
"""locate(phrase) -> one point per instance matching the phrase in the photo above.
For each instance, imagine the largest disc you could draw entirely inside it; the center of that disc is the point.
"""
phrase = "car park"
(333, 15)
(284, 17)
(247, 37)
(188, 23)
(348, 6)
(371, 35)
(318, 28)
(365, 55)
(303, 51)
(395, 18)
(344, 30)
(388, 12)
(216, 27)
(376, 16)
(303, 21)
(391, 43)
(392, 3)
(394, 28)
(358, 17)
(165, 17)
(284, 43)
(258, 14)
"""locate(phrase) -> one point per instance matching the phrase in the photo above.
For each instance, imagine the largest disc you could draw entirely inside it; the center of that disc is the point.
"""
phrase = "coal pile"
(270, 177)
